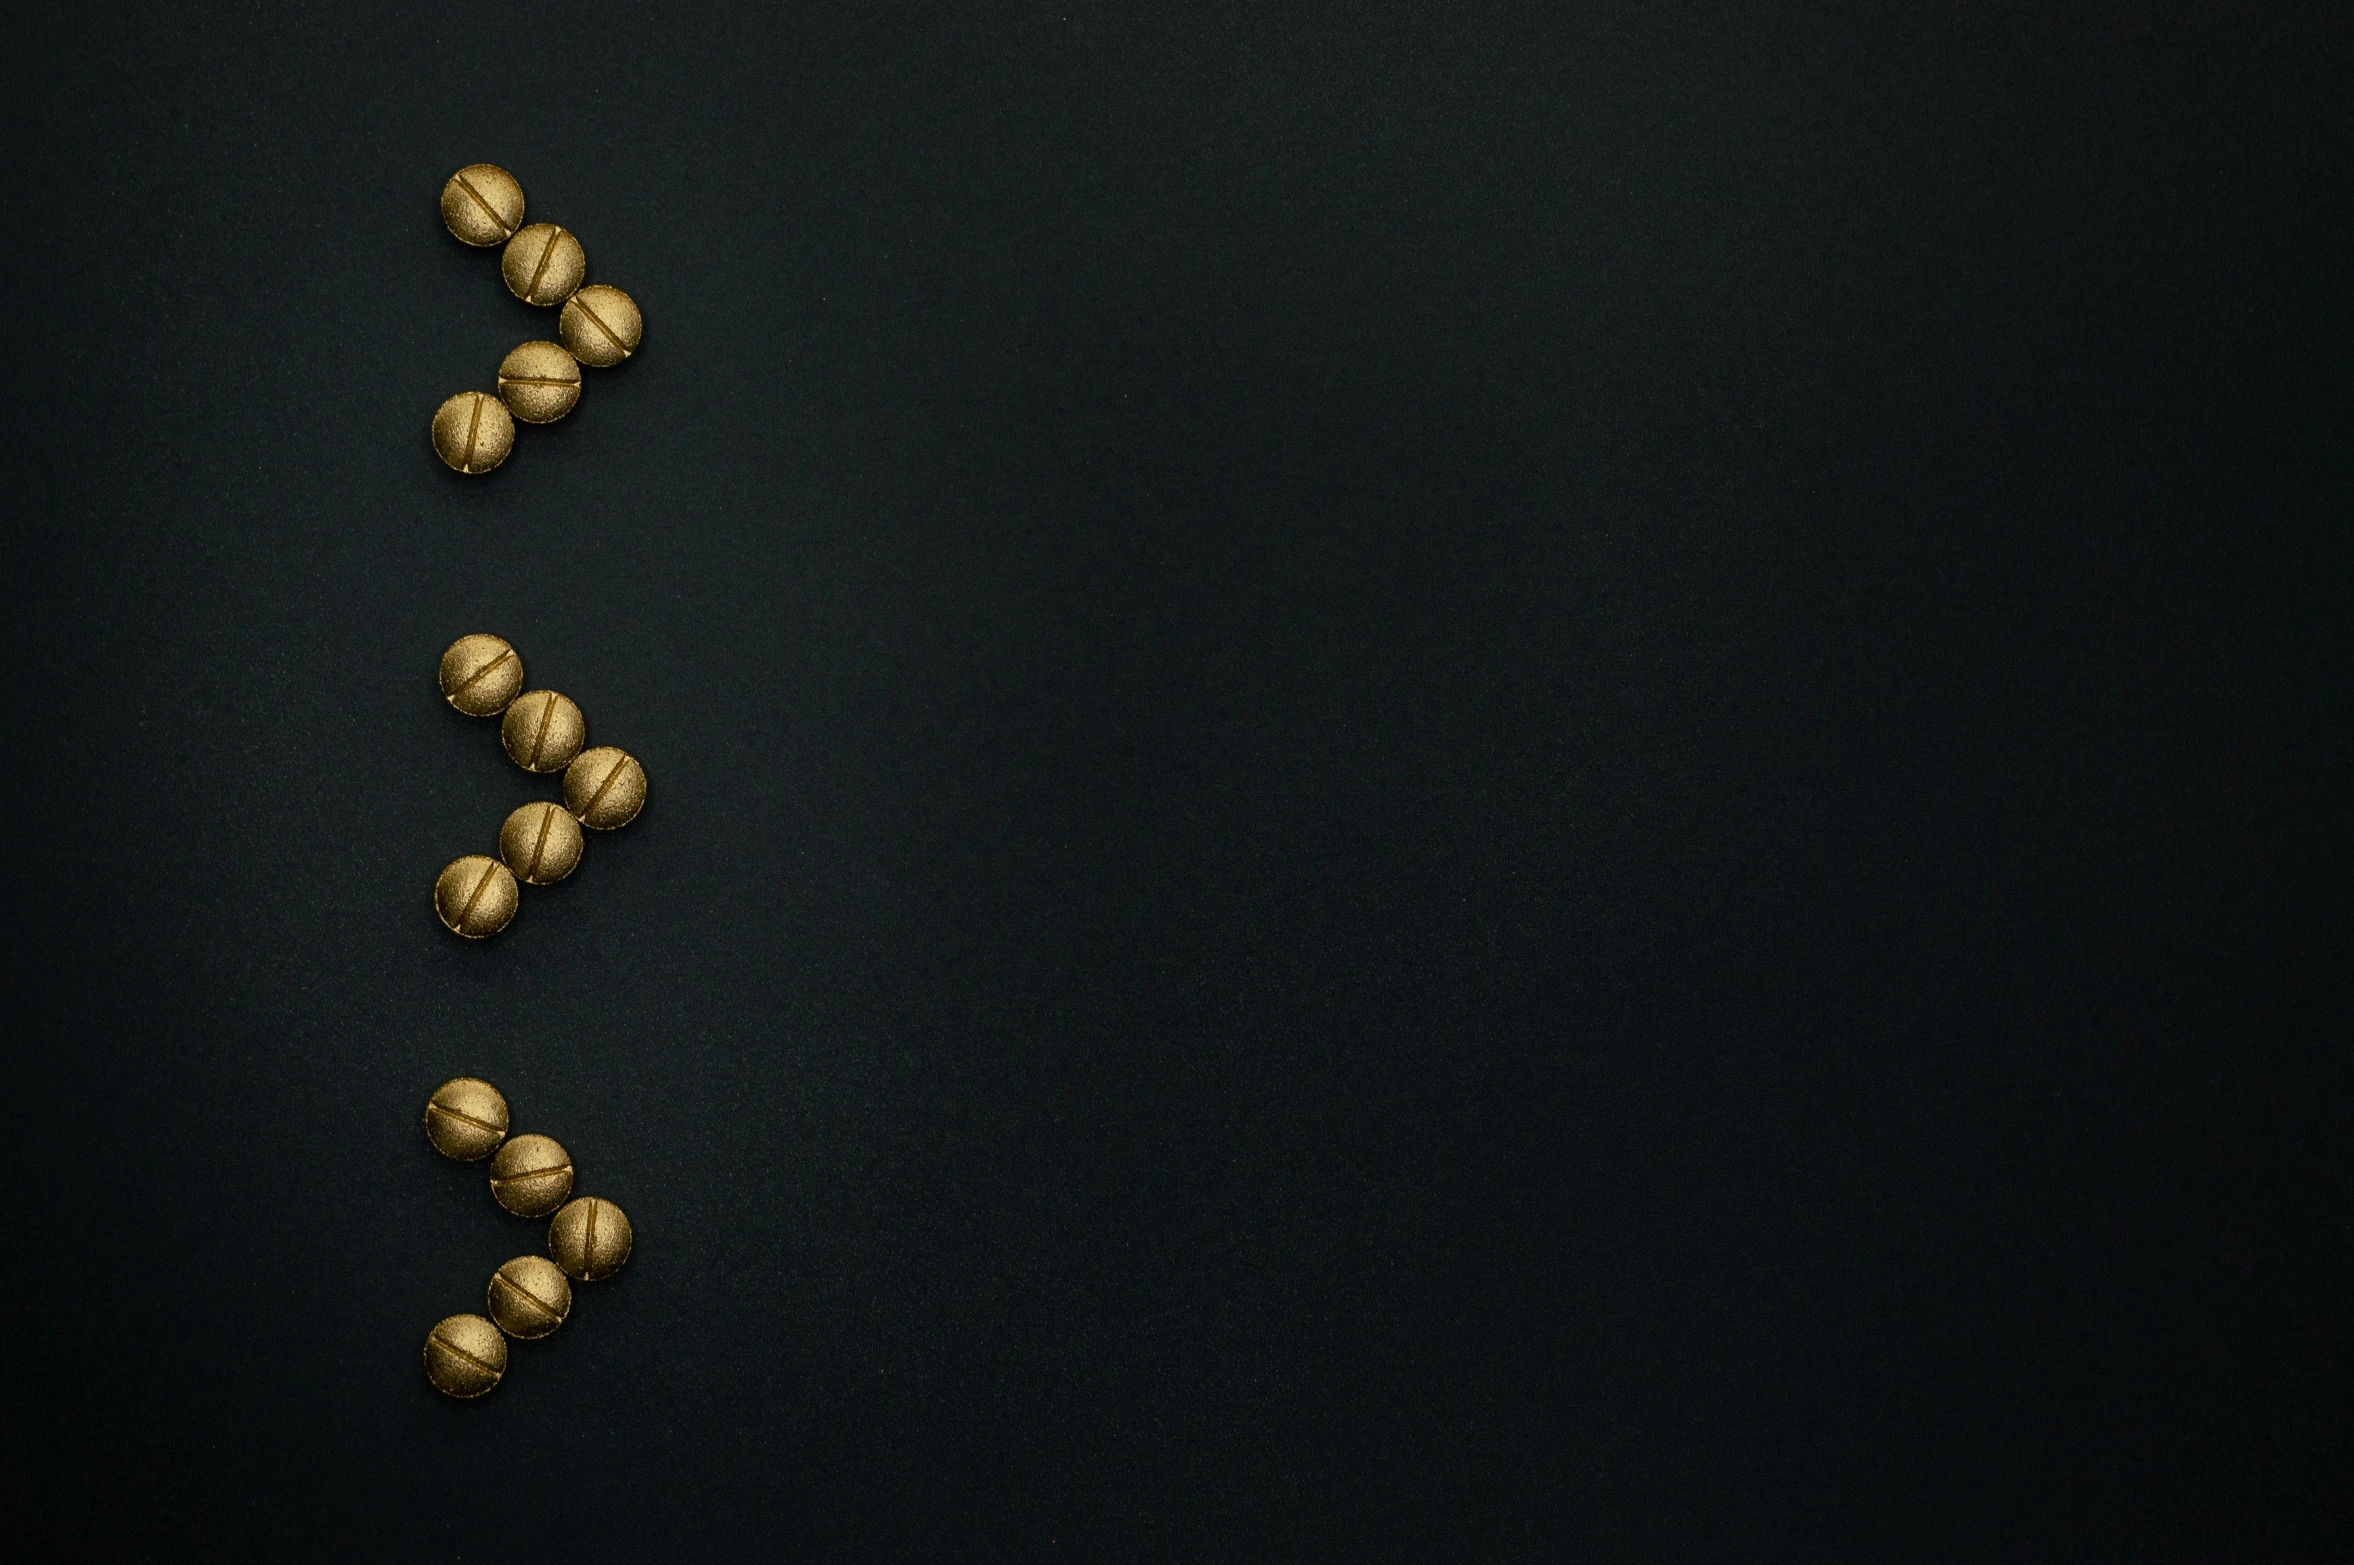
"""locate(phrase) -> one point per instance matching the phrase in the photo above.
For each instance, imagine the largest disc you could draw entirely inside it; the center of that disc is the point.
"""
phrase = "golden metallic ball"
(475, 896)
(540, 843)
(539, 382)
(590, 1238)
(531, 1176)
(466, 1118)
(605, 788)
(480, 675)
(601, 325)
(543, 264)
(465, 1356)
(482, 204)
(472, 432)
(529, 1297)
(543, 731)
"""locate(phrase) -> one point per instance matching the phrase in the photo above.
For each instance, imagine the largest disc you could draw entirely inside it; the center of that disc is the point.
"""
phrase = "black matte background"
(1439, 783)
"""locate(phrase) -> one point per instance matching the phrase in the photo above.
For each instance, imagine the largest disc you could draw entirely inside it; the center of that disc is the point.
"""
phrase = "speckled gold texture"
(531, 1175)
(541, 843)
(466, 1118)
(543, 264)
(543, 731)
(590, 1238)
(481, 675)
(473, 432)
(539, 382)
(475, 896)
(605, 788)
(465, 1356)
(529, 1297)
(482, 204)
(601, 325)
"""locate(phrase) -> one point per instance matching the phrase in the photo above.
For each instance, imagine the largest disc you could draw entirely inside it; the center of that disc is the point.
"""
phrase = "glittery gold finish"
(543, 264)
(605, 788)
(472, 432)
(543, 731)
(465, 1356)
(531, 1176)
(482, 204)
(601, 325)
(529, 1297)
(466, 1118)
(541, 844)
(590, 1238)
(539, 382)
(475, 896)
(481, 675)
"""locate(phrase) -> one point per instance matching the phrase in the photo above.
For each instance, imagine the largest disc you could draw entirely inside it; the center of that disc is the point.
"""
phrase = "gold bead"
(480, 675)
(605, 788)
(529, 1297)
(539, 382)
(472, 432)
(531, 1176)
(540, 843)
(590, 1238)
(466, 1118)
(543, 731)
(475, 896)
(601, 325)
(543, 264)
(482, 204)
(465, 1356)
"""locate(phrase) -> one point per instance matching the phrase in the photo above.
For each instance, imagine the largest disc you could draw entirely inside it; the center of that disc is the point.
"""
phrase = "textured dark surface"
(1451, 784)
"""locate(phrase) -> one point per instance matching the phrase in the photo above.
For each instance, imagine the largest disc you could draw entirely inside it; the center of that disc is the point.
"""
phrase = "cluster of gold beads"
(543, 732)
(588, 1237)
(543, 264)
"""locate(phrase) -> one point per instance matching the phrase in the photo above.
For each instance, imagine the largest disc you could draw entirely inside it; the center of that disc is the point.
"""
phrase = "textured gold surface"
(541, 843)
(475, 896)
(465, 1356)
(531, 1176)
(466, 1118)
(482, 204)
(543, 731)
(539, 382)
(601, 325)
(543, 264)
(529, 1297)
(480, 675)
(605, 788)
(472, 432)
(590, 1238)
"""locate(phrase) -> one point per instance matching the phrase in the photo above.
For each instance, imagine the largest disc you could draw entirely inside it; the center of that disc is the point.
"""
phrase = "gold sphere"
(482, 205)
(605, 788)
(472, 432)
(539, 382)
(540, 843)
(529, 1297)
(531, 1175)
(601, 325)
(543, 731)
(590, 1238)
(466, 1118)
(480, 675)
(543, 264)
(465, 1356)
(475, 896)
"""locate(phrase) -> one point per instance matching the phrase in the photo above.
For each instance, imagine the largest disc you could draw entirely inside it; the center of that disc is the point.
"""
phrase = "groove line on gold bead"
(546, 820)
(470, 680)
(547, 713)
(599, 324)
(532, 292)
(479, 886)
(498, 1279)
(535, 380)
(588, 1241)
(478, 1124)
(448, 1346)
(499, 1181)
(488, 210)
(472, 423)
(598, 797)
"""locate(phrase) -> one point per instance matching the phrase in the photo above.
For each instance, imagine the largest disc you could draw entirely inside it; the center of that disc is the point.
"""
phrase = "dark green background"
(1480, 783)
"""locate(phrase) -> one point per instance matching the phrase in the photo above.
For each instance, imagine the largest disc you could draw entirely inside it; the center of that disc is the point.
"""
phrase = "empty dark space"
(1492, 783)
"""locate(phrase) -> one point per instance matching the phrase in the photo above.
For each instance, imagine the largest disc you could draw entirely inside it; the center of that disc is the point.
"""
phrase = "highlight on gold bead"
(590, 1238)
(541, 843)
(482, 205)
(473, 432)
(529, 1297)
(531, 1175)
(475, 896)
(466, 1118)
(539, 382)
(604, 788)
(481, 675)
(465, 1356)
(543, 731)
(543, 264)
(601, 325)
